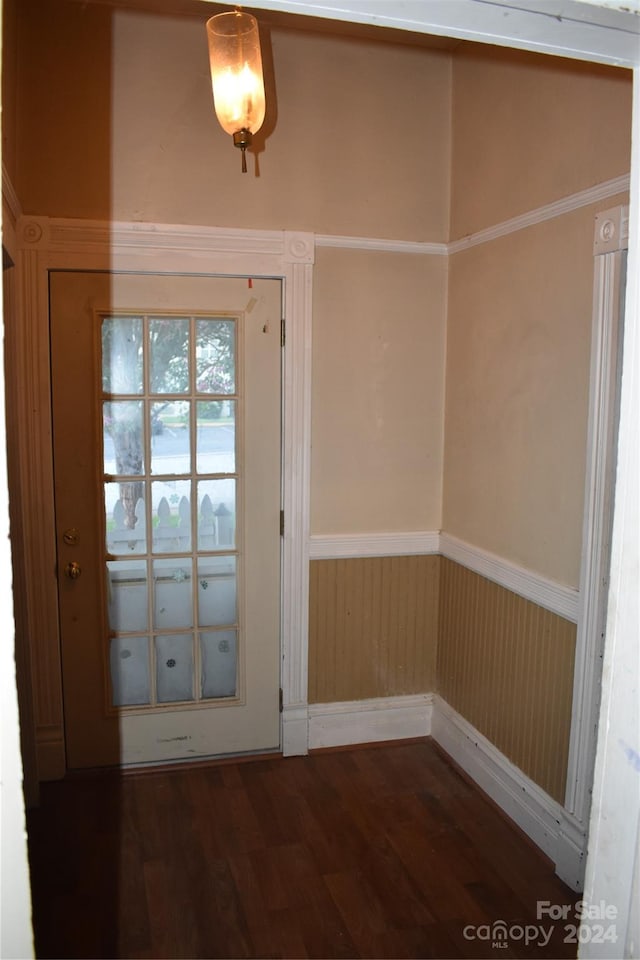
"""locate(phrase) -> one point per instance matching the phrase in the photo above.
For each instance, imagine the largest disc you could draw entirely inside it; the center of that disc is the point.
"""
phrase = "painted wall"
(378, 391)
(529, 129)
(526, 131)
(518, 357)
(138, 138)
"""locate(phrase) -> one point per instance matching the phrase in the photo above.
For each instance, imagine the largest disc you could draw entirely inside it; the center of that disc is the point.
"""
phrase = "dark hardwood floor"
(377, 852)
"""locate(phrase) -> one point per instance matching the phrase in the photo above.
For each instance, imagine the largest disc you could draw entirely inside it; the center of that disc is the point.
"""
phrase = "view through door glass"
(169, 568)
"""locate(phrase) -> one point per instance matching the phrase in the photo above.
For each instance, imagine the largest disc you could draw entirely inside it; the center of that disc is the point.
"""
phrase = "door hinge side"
(282, 523)
(283, 332)
(281, 700)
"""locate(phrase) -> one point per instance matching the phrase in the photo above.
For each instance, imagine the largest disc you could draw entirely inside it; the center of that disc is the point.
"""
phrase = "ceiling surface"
(202, 9)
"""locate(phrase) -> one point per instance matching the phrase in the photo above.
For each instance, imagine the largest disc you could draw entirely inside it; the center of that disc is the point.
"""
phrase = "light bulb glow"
(236, 71)
(238, 97)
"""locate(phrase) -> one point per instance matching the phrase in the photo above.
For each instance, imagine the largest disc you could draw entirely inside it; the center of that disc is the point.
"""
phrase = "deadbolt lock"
(71, 537)
(73, 570)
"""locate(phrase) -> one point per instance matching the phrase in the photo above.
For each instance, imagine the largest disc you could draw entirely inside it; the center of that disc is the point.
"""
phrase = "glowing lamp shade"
(236, 75)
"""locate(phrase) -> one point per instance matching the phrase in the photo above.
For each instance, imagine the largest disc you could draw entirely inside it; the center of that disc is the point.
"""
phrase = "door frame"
(61, 244)
(611, 238)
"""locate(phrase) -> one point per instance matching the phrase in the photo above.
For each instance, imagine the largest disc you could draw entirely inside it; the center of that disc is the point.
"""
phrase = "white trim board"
(352, 545)
(387, 246)
(556, 597)
(541, 817)
(553, 596)
(558, 208)
(202, 241)
(570, 29)
(549, 211)
(369, 721)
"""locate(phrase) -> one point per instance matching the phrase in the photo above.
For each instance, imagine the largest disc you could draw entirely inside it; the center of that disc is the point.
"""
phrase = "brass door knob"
(73, 570)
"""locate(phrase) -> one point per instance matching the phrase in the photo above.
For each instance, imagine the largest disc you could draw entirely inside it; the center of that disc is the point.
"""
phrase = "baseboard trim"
(541, 817)
(369, 721)
(51, 757)
(294, 734)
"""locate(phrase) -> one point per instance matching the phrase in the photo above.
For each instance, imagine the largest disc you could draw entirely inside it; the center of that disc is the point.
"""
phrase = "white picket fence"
(171, 529)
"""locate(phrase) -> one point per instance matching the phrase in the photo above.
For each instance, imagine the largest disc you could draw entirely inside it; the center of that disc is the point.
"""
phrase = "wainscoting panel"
(506, 665)
(373, 627)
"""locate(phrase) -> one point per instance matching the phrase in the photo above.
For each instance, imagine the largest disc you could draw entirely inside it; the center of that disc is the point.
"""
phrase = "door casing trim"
(47, 244)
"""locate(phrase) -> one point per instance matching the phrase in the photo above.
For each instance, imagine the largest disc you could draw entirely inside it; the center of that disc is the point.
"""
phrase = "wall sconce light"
(236, 76)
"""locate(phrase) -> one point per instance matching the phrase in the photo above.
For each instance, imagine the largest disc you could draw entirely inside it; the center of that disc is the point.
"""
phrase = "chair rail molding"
(53, 243)
(549, 594)
(334, 546)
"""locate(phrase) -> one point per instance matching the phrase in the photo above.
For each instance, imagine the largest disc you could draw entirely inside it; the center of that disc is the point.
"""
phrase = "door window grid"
(186, 558)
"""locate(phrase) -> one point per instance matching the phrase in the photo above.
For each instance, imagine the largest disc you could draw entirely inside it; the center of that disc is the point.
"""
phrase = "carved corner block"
(299, 247)
(33, 232)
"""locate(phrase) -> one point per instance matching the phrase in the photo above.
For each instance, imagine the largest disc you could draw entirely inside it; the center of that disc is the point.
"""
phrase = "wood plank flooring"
(379, 852)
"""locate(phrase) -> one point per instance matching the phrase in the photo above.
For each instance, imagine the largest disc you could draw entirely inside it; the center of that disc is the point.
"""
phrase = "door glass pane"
(127, 596)
(174, 667)
(216, 514)
(123, 438)
(173, 607)
(171, 516)
(125, 520)
(218, 654)
(216, 436)
(129, 660)
(170, 444)
(215, 355)
(169, 355)
(158, 490)
(217, 591)
(122, 355)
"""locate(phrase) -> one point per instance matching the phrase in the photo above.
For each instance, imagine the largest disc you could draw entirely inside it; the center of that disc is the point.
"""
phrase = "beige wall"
(137, 139)
(117, 120)
(518, 356)
(378, 381)
(529, 129)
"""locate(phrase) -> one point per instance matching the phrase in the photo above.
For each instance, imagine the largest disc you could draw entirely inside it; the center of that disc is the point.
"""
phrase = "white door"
(166, 432)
